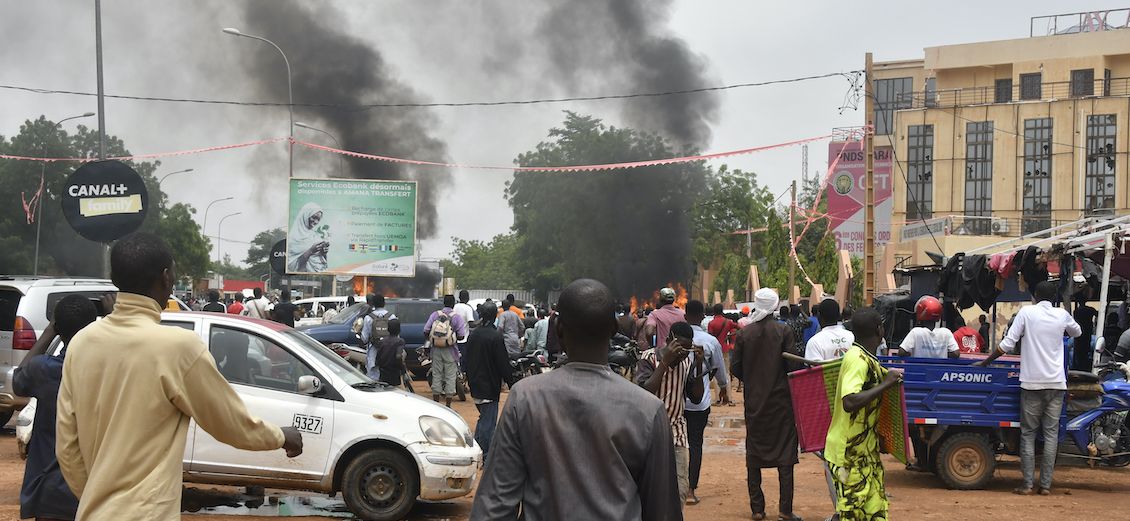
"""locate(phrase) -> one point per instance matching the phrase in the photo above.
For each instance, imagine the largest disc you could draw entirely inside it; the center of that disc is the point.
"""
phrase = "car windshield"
(348, 314)
(328, 358)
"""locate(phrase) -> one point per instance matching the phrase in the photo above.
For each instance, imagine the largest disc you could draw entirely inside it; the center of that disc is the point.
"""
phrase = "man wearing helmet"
(927, 339)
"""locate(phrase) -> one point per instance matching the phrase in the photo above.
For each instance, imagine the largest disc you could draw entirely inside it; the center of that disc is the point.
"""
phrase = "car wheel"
(380, 485)
(966, 461)
(5, 417)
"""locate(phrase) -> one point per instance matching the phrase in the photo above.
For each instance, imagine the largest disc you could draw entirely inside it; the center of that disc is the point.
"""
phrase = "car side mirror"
(309, 384)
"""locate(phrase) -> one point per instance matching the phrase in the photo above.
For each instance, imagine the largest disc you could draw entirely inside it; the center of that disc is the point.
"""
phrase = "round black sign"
(105, 200)
(278, 257)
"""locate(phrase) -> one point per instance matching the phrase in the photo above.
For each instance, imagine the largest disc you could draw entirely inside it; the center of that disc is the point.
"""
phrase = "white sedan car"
(382, 448)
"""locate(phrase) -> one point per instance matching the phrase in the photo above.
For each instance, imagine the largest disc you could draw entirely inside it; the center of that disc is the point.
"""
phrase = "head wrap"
(764, 304)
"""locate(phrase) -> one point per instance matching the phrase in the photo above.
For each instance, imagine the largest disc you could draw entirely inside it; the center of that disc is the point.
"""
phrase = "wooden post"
(869, 201)
(792, 232)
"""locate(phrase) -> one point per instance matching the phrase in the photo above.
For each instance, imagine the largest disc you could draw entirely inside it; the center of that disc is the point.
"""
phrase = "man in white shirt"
(833, 340)
(1043, 380)
(928, 340)
(698, 414)
(464, 310)
(257, 307)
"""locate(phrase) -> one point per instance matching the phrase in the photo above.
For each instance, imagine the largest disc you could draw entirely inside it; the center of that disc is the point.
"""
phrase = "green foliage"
(230, 270)
(258, 254)
(626, 228)
(485, 265)
(62, 251)
(733, 201)
(190, 247)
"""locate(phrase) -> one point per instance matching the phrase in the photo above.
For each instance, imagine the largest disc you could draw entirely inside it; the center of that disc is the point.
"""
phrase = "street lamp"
(218, 236)
(289, 90)
(162, 180)
(340, 160)
(42, 179)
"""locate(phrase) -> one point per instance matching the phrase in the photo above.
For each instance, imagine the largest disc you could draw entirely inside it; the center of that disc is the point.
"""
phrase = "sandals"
(1045, 492)
(792, 517)
(693, 500)
(759, 516)
(1023, 491)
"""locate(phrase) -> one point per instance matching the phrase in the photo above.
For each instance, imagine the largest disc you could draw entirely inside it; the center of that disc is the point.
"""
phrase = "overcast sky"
(175, 48)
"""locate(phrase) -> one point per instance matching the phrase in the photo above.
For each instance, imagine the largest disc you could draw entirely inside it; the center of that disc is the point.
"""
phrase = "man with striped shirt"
(673, 375)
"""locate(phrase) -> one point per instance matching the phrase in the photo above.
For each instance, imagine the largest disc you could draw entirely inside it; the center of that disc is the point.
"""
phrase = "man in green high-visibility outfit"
(852, 446)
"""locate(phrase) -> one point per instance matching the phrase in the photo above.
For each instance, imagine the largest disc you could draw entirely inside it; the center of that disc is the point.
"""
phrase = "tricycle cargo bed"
(955, 392)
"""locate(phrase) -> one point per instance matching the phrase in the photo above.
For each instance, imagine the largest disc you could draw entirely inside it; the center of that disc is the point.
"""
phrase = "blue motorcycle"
(1103, 433)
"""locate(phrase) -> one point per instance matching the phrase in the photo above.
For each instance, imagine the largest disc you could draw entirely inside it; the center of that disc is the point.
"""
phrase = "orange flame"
(358, 282)
(651, 303)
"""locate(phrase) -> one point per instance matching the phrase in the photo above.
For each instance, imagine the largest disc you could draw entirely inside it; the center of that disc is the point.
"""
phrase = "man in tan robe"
(130, 386)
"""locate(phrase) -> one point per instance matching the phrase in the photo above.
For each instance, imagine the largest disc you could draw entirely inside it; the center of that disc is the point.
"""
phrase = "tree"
(62, 251)
(185, 238)
(259, 253)
(733, 201)
(627, 228)
(230, 270)
(485, 265)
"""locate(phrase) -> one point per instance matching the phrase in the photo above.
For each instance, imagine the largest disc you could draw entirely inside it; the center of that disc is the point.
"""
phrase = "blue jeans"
(1039, 410)
(484, 429)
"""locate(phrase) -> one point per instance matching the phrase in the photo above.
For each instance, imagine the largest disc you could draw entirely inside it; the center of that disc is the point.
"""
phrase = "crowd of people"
(579, 442)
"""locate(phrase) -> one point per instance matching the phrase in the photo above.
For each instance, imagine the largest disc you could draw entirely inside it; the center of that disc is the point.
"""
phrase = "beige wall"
(1028, 50)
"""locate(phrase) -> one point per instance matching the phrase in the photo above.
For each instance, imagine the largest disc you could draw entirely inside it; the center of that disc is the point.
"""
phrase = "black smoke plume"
(625, 46)
(332, 67)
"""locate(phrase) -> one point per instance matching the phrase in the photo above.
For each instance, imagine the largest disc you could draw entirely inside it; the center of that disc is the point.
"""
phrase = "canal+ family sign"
(105, 200)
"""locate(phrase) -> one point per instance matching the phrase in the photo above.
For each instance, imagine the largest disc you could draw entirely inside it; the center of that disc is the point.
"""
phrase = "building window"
(931, 92)
(1101, 158)
(920, 172)
(1037, 197)
(978, 176)
(1030, 86)
(1002, 91)
(1083, 82)
(891, 95)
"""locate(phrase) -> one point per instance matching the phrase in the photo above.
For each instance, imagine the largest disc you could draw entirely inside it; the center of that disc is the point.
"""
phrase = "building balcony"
(975, 226)
(988, 95)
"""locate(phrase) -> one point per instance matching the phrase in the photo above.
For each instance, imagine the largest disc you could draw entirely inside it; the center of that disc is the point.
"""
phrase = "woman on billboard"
(307, 243)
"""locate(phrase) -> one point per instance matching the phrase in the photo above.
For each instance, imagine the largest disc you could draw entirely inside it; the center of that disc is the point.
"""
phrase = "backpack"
(378, 328)
(443, 333)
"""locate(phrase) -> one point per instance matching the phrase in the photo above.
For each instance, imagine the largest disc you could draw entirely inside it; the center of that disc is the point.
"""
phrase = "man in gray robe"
(581, 442)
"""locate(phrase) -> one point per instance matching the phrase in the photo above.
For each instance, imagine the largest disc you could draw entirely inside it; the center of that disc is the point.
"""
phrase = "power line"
(367, 106)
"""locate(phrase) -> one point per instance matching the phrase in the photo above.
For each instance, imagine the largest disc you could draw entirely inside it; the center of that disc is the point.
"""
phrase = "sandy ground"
(1080, 492)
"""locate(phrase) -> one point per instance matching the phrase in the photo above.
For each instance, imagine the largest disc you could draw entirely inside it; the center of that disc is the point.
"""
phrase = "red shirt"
(235, 308)
(969, 340)
(722, 327)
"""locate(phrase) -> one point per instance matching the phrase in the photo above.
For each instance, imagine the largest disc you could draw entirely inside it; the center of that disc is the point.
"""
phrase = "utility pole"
(869, 200)
(101, 112)
(792, 231)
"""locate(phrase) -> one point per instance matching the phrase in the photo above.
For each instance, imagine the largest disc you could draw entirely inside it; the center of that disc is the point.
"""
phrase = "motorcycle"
(424, 354)
(1102, 433)
(623, 355)
(530, 363)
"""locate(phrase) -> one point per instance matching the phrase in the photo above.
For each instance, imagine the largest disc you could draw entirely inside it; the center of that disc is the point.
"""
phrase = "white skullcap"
(764, 304)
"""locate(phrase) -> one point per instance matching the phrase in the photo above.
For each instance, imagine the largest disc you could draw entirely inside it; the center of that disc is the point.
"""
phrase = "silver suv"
(26, 306)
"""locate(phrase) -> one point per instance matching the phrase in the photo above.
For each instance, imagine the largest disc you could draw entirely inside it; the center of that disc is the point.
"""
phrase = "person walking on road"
(44, 494)
(374, 327)
(130, 387)
(443, 330)
(1043, 381)
(214, 305)
(698, 414)
(659, 322)
(284, 310)
(488, 366)
(463, 309)
(674, 374)
(510, 324)
(256, 307)
(830, 343)
(580, 442)
(852, 446)
(390, 355)
(771, 438)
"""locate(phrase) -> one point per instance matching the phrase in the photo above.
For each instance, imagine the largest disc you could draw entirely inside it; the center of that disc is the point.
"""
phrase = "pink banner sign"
(847, 192)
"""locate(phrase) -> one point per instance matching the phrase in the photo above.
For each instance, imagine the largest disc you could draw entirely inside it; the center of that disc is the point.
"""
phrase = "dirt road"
(1080, 492)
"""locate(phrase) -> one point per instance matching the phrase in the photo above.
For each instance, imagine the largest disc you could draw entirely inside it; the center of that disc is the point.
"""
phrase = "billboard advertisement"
(847, 192)
(352, 227)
